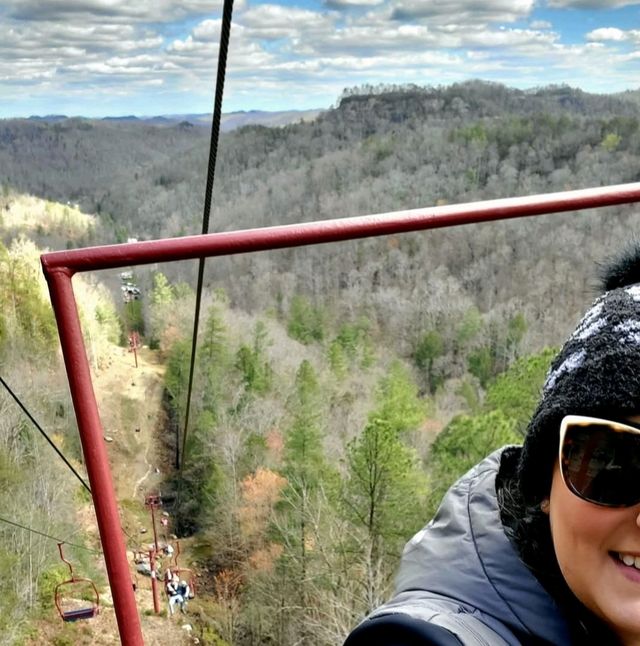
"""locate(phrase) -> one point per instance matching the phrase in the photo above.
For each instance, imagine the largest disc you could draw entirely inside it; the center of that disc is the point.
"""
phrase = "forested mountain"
(381, 149)
(37, 490)
(318, 366)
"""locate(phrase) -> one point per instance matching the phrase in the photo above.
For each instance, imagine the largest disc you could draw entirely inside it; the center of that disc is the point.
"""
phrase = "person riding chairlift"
(178, 594)
(540, 543)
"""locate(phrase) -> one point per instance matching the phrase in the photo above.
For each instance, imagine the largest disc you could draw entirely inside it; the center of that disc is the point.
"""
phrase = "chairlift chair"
(184, 573)
(62, 591)
(153, 499)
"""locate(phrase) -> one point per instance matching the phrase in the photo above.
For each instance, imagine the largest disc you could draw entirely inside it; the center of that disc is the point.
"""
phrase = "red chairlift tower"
(153, 501)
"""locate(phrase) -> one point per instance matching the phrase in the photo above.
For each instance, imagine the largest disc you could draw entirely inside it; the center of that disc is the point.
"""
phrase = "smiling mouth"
(627, 559)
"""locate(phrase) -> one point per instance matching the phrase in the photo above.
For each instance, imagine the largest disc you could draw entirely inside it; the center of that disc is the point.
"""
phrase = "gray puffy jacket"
(462, 573)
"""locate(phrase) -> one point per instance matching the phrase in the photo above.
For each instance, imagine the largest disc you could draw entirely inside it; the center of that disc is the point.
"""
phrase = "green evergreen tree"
(213, 363)
(470, 326)
(428, 349)
(303, 452)
(198, 483)
(133, 317)
(177, 373)
(27, 313)
(306, 322)
(481, 364)
(305, 469)
(398, 402)
(517, 391)
(337, 358)
(384, 490)
(161, 293)
(383, 498)
(253, 362)
(352, 345)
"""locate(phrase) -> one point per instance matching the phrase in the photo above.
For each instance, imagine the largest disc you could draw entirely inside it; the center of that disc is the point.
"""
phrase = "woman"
(541, 544)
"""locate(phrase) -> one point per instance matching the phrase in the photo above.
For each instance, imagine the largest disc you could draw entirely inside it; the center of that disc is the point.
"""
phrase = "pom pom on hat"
(596, 373)
(623, 270)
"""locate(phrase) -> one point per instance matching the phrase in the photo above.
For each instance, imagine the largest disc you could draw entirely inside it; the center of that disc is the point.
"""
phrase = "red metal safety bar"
(60, 266)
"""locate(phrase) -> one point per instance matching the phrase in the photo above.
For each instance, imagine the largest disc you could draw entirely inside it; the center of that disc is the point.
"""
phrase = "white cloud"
(606, 33)
(158, 11)
(614, 35)
(133, 61)
(591, 4)
(467, 10)
(186, 45)
(366, 41)
(369, 37)
(47, 42)
(345, 4)
(271, 21)
(207, 30)
(108, 68)
(511, 38)
(634, 36)
(145, 50)
(625, 58)
(473, 55)
(194, 54)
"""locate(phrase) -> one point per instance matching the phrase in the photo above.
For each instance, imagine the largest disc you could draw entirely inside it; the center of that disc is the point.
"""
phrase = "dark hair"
(528, 529)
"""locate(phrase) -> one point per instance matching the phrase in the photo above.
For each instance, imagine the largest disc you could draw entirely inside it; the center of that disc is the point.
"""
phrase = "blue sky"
(149, 57)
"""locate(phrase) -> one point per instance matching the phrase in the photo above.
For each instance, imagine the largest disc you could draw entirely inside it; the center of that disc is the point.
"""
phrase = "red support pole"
(153, 522)
(133, 344)
(95, 456)
(154, 581)
(298, 235)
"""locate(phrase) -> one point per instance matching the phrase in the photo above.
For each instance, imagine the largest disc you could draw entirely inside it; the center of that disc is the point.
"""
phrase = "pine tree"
(383, 498)
(253, 363)
(304, 469)
(384, 489)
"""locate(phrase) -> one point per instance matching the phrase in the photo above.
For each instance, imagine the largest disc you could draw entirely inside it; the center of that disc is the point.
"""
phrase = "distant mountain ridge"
(377, 152)
(230, 121)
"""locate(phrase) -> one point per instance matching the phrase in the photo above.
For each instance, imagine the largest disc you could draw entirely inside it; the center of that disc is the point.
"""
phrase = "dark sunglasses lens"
(602, 465)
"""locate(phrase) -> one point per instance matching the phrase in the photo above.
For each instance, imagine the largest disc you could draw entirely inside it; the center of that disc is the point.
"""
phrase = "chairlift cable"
(53, 538)
(136, 543)
(42, 432)
(225, 30)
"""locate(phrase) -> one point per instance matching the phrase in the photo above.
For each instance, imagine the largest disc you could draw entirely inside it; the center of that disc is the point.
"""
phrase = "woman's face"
(590, 542)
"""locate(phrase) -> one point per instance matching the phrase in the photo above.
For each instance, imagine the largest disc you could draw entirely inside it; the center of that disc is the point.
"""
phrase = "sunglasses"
(600, 460)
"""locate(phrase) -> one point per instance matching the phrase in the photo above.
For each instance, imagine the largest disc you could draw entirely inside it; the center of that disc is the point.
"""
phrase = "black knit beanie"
(597, 373)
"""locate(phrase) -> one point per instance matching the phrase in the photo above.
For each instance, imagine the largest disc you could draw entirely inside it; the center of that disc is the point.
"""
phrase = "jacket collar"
(464, 556)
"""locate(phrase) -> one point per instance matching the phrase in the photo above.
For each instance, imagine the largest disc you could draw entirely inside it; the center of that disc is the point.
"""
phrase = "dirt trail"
(130, 404)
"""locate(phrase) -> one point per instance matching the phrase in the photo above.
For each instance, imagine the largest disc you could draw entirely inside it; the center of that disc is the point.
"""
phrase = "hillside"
(413, 354)
(261, 364)
(132, 418)
(39, 493)
(381, 149)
